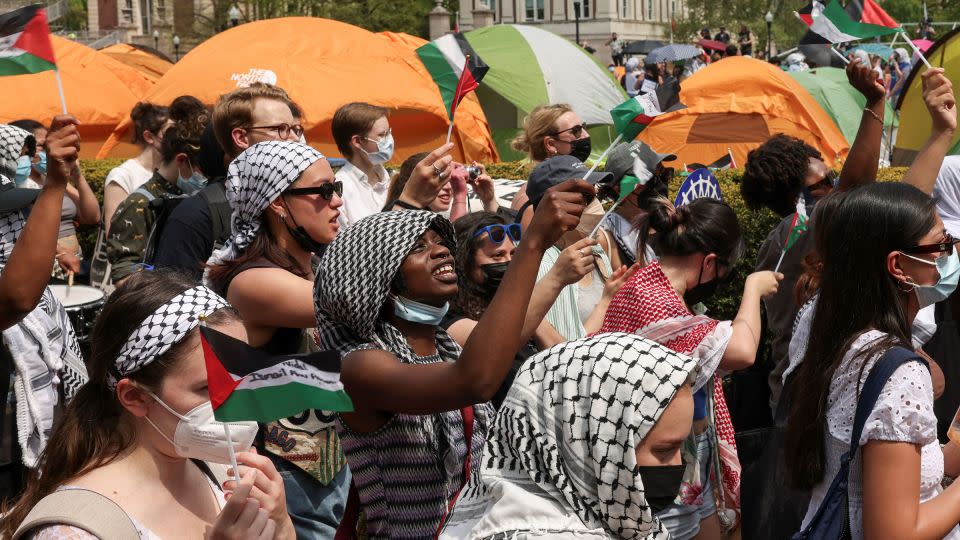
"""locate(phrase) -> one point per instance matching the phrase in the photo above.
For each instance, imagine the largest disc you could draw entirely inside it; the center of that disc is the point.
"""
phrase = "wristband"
(404, 204)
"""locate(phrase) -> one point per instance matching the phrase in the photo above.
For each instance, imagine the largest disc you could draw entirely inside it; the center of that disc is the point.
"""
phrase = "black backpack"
(215, 195)
(161, 208)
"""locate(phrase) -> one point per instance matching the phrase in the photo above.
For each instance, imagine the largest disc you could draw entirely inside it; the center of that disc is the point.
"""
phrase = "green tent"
(842, 102)
(530, 66)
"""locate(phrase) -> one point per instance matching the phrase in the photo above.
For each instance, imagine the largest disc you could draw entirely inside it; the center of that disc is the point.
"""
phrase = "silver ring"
(582, 254)
(441, 175)
(437, 170)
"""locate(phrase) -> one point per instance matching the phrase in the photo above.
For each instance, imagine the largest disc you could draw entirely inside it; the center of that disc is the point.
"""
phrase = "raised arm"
(378, 381)
(23, 279)
(88, 209)
(942, 105)
(864, 158)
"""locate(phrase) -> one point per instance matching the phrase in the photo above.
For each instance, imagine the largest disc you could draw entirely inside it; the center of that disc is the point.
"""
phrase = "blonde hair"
(235, 110)
(540, 123)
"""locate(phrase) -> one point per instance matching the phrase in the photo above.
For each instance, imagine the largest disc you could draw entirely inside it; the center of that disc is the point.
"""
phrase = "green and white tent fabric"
(841, 101)
(530, 66)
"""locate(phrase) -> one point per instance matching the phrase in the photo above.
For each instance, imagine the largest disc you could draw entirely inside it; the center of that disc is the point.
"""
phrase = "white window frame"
(538, 5)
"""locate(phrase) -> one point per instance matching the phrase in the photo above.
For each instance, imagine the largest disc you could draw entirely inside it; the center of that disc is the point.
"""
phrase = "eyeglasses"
(283, 130)
(826, 183)
(941, 247)
(379, 139)
(498, 233)
(324, 190)
(576, 131)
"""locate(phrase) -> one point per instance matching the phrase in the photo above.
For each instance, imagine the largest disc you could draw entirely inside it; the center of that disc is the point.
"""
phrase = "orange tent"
(99, 90)
(153, 64)
(324, 64)
(737, 104)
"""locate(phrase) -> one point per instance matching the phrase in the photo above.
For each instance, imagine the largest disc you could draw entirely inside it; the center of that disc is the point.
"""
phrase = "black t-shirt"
(522, 355)
(722, 37)
(745, 47)
(187, 240)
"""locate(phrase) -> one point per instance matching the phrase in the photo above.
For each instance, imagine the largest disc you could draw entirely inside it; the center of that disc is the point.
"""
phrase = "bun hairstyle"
(702, 226)
(190, 118)
(540, 123)
(147, 117)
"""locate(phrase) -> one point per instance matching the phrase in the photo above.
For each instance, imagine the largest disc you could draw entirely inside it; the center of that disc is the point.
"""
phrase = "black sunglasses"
(498, 232)
(576, 130)
(324, 190)
(940, 247)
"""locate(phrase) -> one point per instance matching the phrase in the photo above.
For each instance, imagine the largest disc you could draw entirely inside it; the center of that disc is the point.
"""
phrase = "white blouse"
(903, 413)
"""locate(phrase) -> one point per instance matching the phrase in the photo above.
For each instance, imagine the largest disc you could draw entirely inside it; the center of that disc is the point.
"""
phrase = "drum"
(82, 304)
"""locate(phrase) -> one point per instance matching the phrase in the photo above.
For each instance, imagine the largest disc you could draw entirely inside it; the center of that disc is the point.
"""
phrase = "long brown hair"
(263, 246)
(95, 429)
(471, 299)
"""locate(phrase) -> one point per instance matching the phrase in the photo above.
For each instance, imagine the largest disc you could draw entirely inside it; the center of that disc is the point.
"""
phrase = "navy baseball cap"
(556, 170)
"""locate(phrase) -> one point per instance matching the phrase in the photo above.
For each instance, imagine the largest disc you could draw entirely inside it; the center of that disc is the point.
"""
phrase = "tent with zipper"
(530, 66)
(324, 64)
(99, 91)
(736, 104)
(915, 123)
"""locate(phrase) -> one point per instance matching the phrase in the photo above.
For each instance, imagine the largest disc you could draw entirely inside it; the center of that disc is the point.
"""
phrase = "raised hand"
(267, 490)
(63, 148)
(864, 79)
(940, 101)
(242, 518)
(618, 278)
(428, 177)
(575, 261)
(558, 212)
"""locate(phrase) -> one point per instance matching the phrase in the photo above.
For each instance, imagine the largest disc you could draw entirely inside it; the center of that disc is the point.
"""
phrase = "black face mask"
(492, 276)
(580, 148)
(302, 236)
(661, 485)
(703, 291)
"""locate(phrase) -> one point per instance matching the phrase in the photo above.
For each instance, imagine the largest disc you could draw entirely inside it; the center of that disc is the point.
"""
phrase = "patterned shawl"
(560, 459)
(12, 140)
(254, 180)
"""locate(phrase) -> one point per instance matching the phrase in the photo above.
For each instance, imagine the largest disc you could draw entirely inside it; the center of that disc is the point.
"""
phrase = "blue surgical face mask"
(949, 268)
(190, 185)
(41, 166)
(416, 312)
(384, 150)
(24, 163)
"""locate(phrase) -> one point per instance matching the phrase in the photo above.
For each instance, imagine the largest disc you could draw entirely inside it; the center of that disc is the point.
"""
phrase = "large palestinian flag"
(25, 42)
(454, 66)
(248, 384)
(835, 25)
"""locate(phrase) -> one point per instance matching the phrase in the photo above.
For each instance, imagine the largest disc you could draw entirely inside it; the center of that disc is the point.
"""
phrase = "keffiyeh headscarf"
(165, 327)
(254, 180)
(12, 140)
(11, 225)
(560, 455)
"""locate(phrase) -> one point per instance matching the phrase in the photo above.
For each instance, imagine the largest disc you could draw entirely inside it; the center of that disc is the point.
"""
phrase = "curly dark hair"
(190, 117)
(775, 173)
(471, 299)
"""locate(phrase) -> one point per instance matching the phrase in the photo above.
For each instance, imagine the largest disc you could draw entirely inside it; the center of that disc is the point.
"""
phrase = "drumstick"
(69, 283)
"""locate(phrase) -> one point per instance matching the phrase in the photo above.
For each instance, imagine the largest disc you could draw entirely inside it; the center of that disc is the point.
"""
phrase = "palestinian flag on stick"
(634, 115)
(248, 384)
(834, 24)
(454, 66)
(25, 42)
(797, 227)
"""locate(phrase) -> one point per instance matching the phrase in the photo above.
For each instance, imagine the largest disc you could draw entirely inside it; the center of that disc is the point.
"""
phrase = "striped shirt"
(564, 315)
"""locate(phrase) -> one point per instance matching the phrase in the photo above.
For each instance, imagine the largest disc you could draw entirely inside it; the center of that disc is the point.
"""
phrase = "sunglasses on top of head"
(498, 233)
(324, 190)
(576, 131)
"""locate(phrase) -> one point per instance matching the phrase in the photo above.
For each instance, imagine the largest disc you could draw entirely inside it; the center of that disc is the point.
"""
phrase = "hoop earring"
(910, 283)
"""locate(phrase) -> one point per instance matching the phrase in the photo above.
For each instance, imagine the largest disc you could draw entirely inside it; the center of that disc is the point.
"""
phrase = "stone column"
(482, 16)
(439, 21)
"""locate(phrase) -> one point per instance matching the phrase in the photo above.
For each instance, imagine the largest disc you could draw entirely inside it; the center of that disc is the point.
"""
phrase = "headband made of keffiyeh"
(165, 327)
(254, 180)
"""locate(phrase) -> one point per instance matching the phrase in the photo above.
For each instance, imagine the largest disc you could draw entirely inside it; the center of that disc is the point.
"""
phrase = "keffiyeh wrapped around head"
(561, 454)
(353, 280)
(165, 327)
(11, 225)
(254, 180)
(12, 140)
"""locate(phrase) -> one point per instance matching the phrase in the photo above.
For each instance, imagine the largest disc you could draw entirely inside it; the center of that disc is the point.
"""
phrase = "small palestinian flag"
(25, 42)
(634, 115)
(454, 66)
(833, 24)
(247, 384)
(797, 228)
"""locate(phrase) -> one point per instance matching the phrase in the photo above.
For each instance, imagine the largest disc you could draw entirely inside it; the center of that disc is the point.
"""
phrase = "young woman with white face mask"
(363, 136)
(140, 435)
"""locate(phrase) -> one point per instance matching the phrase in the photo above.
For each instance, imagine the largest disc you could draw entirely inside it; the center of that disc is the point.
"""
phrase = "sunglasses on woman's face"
(576, 130)
(324, 190)
(940, 247)
(498, 233)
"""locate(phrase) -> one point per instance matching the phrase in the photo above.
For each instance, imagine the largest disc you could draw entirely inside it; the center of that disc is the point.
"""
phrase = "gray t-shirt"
(68, 213)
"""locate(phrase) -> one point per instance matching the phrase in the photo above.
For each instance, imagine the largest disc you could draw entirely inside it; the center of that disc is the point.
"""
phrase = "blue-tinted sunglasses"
(498, 232)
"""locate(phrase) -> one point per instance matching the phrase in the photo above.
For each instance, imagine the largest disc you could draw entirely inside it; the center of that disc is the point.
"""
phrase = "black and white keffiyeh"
(12, 140)
(560, 457)
(254, 180)
(11, 225)
(166, 326)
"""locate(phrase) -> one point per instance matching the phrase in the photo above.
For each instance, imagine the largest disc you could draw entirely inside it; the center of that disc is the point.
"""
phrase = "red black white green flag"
(454, 66)
(249, 384)
(25, 42)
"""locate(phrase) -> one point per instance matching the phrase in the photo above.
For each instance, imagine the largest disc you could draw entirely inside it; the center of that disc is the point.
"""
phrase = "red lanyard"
(467, 414)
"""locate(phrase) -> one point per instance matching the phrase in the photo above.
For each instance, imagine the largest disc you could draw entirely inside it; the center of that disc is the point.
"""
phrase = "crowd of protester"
(548, 370)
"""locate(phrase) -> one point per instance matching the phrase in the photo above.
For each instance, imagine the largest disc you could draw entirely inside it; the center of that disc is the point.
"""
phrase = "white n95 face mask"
(200, 436)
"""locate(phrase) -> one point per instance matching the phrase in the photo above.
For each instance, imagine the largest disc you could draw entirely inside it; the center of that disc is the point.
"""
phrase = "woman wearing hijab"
(139, 442)
(586, 445)
(285, 207)
(421, 410)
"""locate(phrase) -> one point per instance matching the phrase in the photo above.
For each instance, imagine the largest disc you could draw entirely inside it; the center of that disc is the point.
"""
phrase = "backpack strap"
(81, 508)
(145, 193)
(881, 372)
(215, 195)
